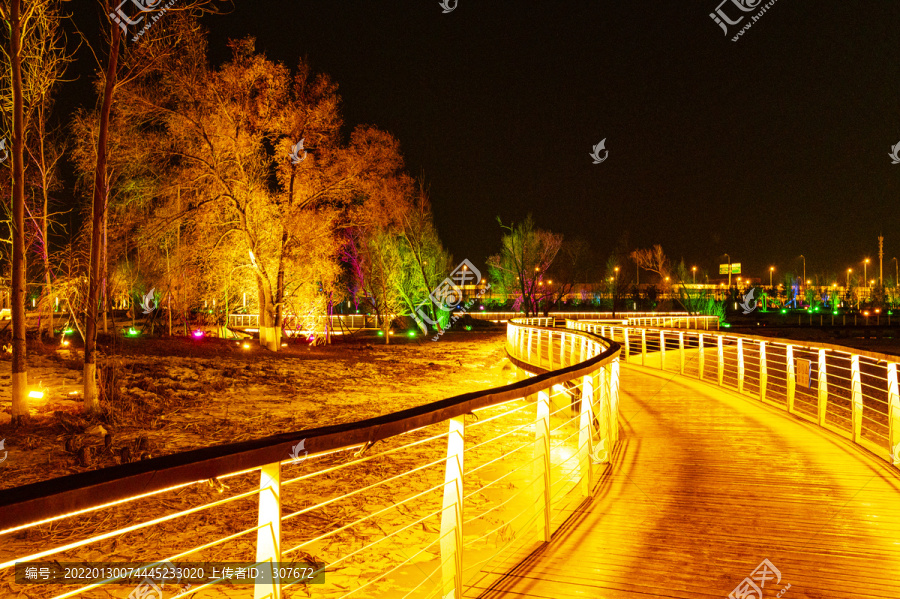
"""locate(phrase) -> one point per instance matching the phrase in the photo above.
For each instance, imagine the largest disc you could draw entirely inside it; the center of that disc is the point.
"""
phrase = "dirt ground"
(162, 396)
(170, 395)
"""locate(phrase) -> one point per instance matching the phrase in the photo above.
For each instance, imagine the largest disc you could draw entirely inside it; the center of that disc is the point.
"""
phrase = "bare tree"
(521, 266)
(18, 23)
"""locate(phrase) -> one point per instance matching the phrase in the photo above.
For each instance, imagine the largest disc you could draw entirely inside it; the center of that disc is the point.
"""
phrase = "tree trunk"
(48, 283)
(268, 336)
(105, 289)
(98, 209)
(279, 293)
(19, 373)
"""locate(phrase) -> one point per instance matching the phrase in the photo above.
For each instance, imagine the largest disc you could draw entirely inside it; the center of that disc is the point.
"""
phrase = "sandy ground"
(172, 395)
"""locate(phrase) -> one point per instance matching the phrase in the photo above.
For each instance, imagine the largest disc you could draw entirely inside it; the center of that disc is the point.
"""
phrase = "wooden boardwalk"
(706, 485)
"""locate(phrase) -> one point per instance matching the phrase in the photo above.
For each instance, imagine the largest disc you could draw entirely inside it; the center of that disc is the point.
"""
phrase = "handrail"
(853, 393)
(584, 365)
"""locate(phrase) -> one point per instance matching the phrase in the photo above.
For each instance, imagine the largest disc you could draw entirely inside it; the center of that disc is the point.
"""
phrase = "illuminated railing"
(621, 315)
(424, 502)
(674, 321)
(850, 392)
(359, 321)
(338, 321)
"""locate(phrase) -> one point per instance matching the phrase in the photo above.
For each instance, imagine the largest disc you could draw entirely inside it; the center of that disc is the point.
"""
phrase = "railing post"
(627, 344)
(602, 399)
(268, 536)
(822, 407)
(763, 370)
(528, 356)
(893, 413)
(741, 371)
(643, 347)
(700, 357)
(542, 466)
(540, 347)
(662, 350)
(451, 515)
(612, 386)
(562, 349)
(791, 378)
(856, 397)
(720, 351)
(572, 350)
(681, 351)
(585, 438)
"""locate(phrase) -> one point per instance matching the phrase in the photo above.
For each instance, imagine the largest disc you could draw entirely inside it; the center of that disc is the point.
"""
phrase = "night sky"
(766, 148)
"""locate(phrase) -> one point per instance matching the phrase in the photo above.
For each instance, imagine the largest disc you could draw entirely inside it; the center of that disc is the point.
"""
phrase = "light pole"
(694, 273)
(771, 270)
(729, 270)
(865, 269)
(896, 274)
(849, 270)
(802, 257)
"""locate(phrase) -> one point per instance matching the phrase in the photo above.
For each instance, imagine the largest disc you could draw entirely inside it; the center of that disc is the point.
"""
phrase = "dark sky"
(766, 148)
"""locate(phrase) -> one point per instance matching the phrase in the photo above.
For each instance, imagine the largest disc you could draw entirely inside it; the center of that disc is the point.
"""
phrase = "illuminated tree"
(36, 57)
(381, 270)
(654, 260)
(425, 263)
(521, 266)
(244, 190)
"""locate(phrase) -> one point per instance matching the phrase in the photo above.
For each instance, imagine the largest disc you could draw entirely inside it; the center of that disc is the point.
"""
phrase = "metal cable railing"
(851, 392)
(419, 503)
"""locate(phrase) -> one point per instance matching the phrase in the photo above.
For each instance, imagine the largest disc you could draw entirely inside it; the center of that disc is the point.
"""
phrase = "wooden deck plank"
(706, 484)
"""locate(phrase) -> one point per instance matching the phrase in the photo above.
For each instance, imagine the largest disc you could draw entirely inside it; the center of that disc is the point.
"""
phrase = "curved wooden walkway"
(706, 485)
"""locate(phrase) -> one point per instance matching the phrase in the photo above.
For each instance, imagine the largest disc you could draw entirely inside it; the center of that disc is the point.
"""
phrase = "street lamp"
(771, 270)
(694, 273)
(849, 270)
(804, 266)
(865, 266)
(729, 270)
